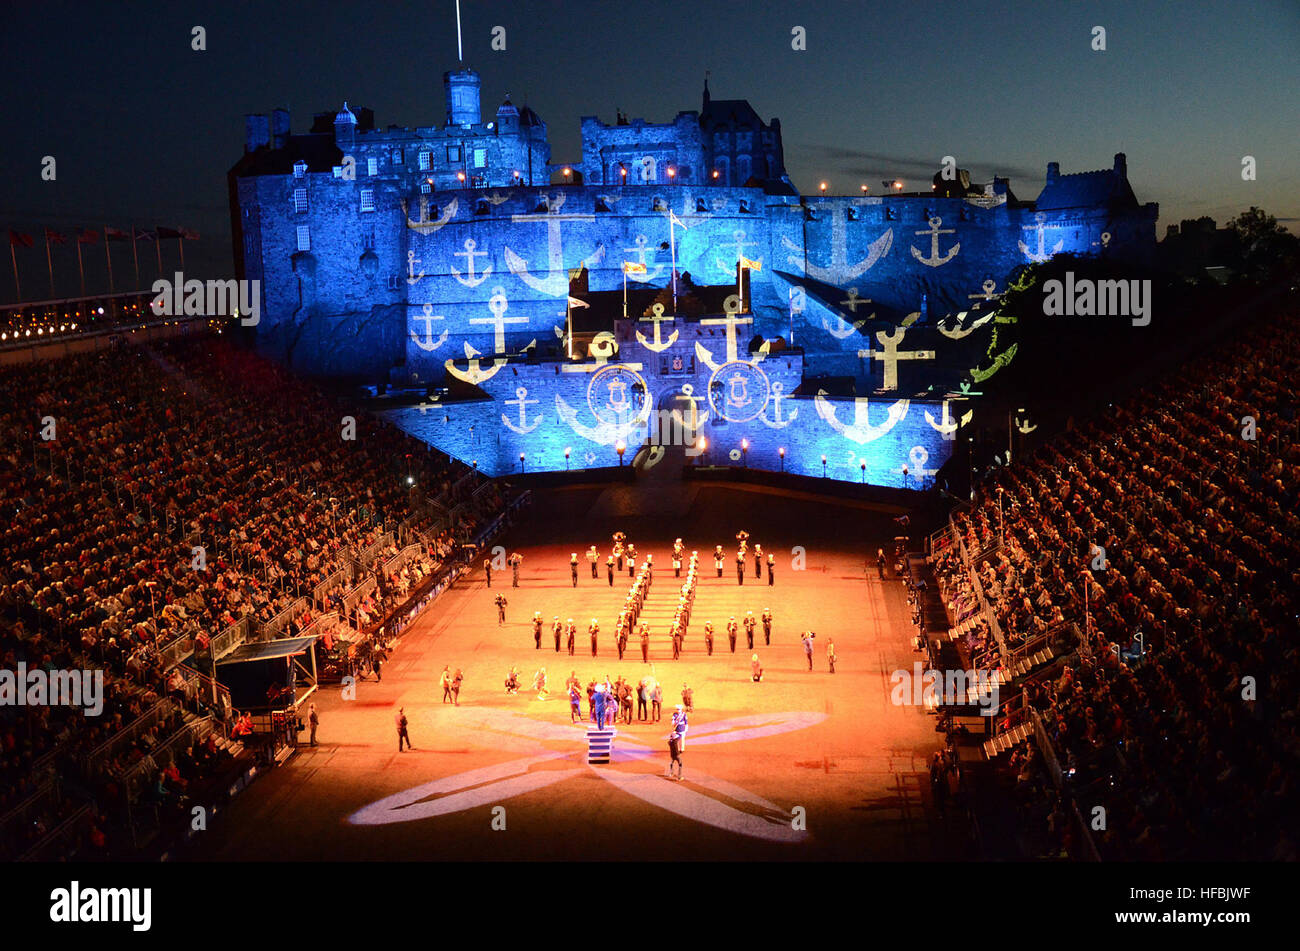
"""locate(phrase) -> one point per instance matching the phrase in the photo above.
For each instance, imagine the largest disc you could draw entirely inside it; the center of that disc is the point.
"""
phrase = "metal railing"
(147, 720)
(231, 637)
(272, 628)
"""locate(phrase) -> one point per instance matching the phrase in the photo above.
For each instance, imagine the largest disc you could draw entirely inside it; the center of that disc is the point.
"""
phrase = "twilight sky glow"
(144, 128)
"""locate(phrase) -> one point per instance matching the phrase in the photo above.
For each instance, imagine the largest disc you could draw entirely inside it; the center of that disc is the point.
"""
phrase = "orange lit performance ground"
(827, 747)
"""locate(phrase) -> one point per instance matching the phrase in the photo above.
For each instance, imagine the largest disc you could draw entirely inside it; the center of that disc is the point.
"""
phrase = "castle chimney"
(279, 128)
(1053, 171)
(257, 132)
(1121, 165)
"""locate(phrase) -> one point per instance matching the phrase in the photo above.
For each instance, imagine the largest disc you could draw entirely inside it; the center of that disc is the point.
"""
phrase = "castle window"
(372, 166)
(368, 199)
(338, 171)
(425, 188)
(393, 282)
(299, 168)
(368, 240)
(480, 158)
(424, 160)
(453, 153)
(300, 200)
(743, 169)
(304, 238)
(398, 158)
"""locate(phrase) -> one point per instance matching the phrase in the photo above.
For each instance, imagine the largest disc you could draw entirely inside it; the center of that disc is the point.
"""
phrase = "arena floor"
(755, 753)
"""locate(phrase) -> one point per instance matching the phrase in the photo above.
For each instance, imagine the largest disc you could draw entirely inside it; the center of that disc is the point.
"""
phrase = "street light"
(863, 466)
(823, 467)
(620, 449)
(744, 452)
(521, 462)
(822, 186)
(704, 444)
(672, 172)
(567, 450)
(864, 189)
(781, 452)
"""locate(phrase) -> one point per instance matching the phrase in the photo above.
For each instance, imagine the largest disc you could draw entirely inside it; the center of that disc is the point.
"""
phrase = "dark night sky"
(144, 129)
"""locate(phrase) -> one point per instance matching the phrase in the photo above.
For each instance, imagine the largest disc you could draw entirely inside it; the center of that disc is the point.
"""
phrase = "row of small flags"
(18, 239)
(635, 267)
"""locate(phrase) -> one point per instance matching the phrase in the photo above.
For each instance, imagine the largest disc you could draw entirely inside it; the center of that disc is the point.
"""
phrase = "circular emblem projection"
(738, 391)
(617, 395)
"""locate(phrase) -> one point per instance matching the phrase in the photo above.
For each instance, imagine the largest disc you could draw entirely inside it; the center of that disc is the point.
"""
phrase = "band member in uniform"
(558, 629)
(609, 564)
(622, 638)
(740, 567)
(487, 570)
(808, 646)
(717, 559)
(708, 636)
(688, 698)
(593, 556)
(537, 629)
(767, 626)
(575, 703)
(755, 669)
(758, 562)
(571, 630)
(771, 568)
(593, 629)
(677, 565)
(732, 629)
(501, 609)
(631, 561)
(677, 644)
(749, 628)
(645, 643)
(573, 568)
(830, 653)
(515, 560)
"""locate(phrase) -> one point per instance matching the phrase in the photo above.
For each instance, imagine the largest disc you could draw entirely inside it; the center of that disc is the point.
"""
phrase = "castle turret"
(345, 128)
(462, 86)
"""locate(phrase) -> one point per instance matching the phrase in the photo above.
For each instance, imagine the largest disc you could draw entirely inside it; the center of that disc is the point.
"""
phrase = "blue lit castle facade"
(541, 296)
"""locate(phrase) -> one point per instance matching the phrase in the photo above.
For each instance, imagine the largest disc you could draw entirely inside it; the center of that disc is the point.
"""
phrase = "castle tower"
(462, 87)
(345, 128)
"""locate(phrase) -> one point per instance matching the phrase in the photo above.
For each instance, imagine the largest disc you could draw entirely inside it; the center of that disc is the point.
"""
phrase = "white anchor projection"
(840, 271)
(428, 344)
(497, 198)
(918, 456)
(422, 224)
(521, 400)
(411, 262)
(557, 283)
(936, 259)
(703, 798)
(470, 278)
(652, 271)
(657, 316)
(615, 416)
(861, 430)
(698, 419)
(990, 291)
(474, 372)
(947, 426)
(960, 331)
(890, 355)
(843, 328)
(778, 421)
(732, 320)
(728, 267)
(1041, 254)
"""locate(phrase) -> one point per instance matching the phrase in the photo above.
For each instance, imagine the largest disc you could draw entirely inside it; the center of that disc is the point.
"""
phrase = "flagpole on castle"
(14, 259)
(135, 256)
(81, 271)
(109, 258)
(49, 263)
